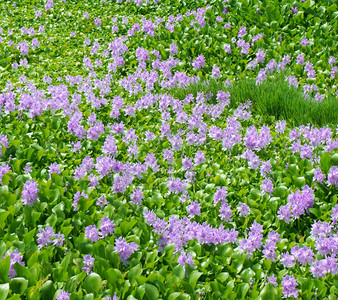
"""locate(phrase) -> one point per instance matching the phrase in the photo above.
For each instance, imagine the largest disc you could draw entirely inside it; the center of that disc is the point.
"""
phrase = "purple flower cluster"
(185, 259)
(3, 170)
(14, 257)
(106, 228)
(321, 267)
(199, 62)
(180, 231)
(270, 247)
(332, 176)
(289, 284)
(255, 141)
(243, 209)
(194, 208)
(63, 295)
(47, 236)
(125, 249)
(88, 262)
(297, 204)
(302, 255)
(254, 240)
(30, 192)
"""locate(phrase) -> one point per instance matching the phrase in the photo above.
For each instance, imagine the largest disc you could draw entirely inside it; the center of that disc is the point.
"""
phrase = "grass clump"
(273, 97)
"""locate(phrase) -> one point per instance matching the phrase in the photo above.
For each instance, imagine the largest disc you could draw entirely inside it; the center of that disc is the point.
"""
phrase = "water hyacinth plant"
(152, 149)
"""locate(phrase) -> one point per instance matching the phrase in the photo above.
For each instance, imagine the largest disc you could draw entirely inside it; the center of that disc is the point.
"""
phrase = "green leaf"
(46, 290)
(242, 290)
(18, 285)
(60, 275)
(269, 292)
(325, 162)
(135, 272)
(4, 290)
(151, 291)
(92, 283)
(22, 271)
(53, 195)
(4, 268)
(173, 296)
(247, 274)
(299, 182)
(193, 278)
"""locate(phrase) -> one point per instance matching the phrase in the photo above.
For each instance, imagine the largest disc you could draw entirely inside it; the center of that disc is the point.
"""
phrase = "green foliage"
(154, 270)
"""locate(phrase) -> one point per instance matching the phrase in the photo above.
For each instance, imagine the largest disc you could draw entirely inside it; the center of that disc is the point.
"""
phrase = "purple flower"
(92, 233)
(320, 230)
(124, 249)
(102, 201)
(29, 193)
(302, 255)
(187, 163)
(300, 59)
(294, 10)
(97, 22)
(242, 31)
(185, 259)
(220, 195)
(267, 186)
(270, 245)
(332, 60)
(45, 236)
(194, 208)
(243, 209)
(63, 295)
(199, 157)
(298, 203)
(260, 77)
(107, 226)
(54, 168)
(280, 126)
(287, 260)
(289, 284)
(320, 268)
(199, 62)
(273, 280)
(48, 6)
(254, 241)
(3, 170)
(88, 261)
(225, 212)
(318, 176)
(304, 42)
(137, 196)
(23, 47)
(59, 240)
(173, 49)
(334, 215)
(14, 257)
(215, 71)
(332, 177)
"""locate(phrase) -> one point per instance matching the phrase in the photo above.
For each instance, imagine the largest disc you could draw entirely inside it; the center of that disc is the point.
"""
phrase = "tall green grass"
(272, 98)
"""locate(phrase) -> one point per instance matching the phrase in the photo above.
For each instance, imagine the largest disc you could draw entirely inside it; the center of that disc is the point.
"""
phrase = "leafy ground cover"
(160, 151)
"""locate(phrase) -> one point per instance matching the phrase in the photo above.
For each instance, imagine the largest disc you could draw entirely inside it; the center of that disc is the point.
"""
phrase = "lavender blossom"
(29, 193)
(125, 249)
(14, 257)
(107, 227)
(199, 62)
(289, 284)
(185, 259)
(63, 295)
(92, 233)
(88, 261)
